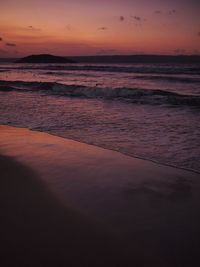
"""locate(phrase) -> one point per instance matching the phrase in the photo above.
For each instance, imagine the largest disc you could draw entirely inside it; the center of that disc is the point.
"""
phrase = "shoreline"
(117, 151)
(148, 213)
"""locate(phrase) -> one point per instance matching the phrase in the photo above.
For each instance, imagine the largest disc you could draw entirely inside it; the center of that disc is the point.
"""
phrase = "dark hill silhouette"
(182, 59)
(44, 58)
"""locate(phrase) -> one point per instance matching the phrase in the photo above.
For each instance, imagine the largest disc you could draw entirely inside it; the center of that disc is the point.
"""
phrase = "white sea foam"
(134, 95)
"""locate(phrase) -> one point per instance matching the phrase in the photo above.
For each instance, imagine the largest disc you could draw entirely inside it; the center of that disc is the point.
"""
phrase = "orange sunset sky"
(106, 27)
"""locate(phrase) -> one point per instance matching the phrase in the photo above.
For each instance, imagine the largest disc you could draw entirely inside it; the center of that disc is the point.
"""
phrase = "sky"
(99, 27)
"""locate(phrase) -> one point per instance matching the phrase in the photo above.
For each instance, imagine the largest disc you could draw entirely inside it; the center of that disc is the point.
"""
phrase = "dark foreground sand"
(36, 230)
(63, 203)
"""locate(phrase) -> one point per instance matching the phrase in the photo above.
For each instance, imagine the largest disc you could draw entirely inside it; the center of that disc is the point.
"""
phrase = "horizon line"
(111, 55)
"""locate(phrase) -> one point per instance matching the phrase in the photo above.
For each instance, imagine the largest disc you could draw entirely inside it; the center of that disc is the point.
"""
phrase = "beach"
(65, 203)
(99, 133)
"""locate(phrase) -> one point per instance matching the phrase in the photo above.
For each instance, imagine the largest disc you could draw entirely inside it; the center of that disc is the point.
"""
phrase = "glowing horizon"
(70, 28)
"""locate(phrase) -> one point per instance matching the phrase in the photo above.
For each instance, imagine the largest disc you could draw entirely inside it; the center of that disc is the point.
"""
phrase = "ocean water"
(150, 111)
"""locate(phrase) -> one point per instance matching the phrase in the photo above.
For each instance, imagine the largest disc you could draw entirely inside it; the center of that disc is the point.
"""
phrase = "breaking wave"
(169, 78)
(133, 95)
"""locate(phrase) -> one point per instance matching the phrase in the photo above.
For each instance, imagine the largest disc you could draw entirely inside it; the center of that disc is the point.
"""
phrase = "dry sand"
(64, 203)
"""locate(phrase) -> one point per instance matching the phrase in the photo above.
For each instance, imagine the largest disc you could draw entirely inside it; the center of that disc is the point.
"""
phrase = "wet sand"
(65, 203)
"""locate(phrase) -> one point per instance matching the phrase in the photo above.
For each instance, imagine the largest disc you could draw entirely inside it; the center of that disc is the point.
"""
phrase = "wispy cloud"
(106, 51)
(68, 27)
(157, 12)
(102, 28)
(179, 51)
(3, 51)
(121, 18)
(137, 18)
(168, 13)
(33, 28)
(138, 21)
(25, 29)
(11, 44)
(172, 12)
(196, 51)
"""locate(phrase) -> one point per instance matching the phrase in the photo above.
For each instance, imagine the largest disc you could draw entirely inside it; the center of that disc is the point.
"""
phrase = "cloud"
(24, 37)
(172, 12)
(168, 13)
(68, 27)
(137, 18)
(11, 44)
(121, 18)
(106, 51)
(33, 29)
(138, 21)
(179, 51)
(102, 28)
(3, 51)
(158, 12)
(196, 52)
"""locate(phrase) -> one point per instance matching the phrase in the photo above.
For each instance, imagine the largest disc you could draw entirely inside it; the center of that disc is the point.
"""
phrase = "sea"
(148, 111)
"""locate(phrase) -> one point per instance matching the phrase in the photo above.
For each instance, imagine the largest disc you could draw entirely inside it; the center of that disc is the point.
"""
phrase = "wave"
(129, 69)
(190, 79)
(133, 95)
(143, 69)
(169, 78)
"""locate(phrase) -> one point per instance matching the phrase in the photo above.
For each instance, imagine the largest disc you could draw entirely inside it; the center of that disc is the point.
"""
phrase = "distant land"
(138, 59)
(44, 58)
(113, 59)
